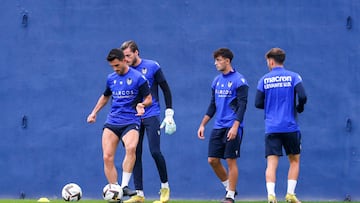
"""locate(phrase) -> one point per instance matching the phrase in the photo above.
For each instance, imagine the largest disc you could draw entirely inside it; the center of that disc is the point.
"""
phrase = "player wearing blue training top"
(130, 95)
(276, 94)
(150, 121)
(228, 103)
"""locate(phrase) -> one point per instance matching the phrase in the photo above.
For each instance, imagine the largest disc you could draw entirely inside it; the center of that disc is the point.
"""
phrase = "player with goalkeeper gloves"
(151, 121)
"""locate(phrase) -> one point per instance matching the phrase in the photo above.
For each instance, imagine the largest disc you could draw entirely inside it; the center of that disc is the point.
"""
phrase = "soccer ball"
(112, 192)
(71, 192)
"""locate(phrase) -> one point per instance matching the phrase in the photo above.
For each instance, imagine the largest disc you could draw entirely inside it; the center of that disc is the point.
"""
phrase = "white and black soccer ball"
(112, 192)
(71, 192)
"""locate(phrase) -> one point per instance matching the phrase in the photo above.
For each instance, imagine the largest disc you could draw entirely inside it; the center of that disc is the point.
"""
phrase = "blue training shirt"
(279, 106)
(225, 91)
(149, 68)
(126, 91)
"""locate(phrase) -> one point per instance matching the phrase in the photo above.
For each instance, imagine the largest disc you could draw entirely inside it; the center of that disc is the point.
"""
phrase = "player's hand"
(200, 132)
(140, 109)
(168, 122)
(232, 133)
(300, 108)
(91, 118)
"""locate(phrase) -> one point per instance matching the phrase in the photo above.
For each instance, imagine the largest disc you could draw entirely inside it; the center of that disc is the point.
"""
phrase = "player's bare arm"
(99, 105)
(201, 129)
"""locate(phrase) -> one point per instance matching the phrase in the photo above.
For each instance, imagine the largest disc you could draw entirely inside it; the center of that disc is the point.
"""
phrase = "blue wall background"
(53, 70)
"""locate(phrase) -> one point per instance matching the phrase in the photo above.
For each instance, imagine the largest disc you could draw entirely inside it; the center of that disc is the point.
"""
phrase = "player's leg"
(109, 144)
(293, 175)
(130, 140)
(153, 134)
(216, 150)
(292, 145)
(232, 152)
(233, 177)
(221, 173)
(218, 168)
(294, 168)
(270, 177)
(273, 150)
(270, 173)
(272, 164)
(138, 170)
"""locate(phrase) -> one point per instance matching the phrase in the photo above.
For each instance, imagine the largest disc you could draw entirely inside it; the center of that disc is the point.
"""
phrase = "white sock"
(225, 184)
(230, 194)
(125, 179)
(270, 188)
(165, 185)
(291, 186)
(140, 193)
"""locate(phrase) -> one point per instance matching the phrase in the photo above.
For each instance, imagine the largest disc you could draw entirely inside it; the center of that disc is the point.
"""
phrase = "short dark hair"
(129, 44)
(277, 54)
(224, 52)
(115, 54)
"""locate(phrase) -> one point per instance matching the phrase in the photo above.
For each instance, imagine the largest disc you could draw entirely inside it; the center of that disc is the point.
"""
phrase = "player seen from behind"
(276, 94)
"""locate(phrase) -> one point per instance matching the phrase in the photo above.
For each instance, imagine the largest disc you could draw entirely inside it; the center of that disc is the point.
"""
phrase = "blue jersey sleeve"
(297, 79)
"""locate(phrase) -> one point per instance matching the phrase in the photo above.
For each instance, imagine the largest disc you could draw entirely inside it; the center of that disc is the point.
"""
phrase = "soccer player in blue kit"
(150, 121)
(228, 102)
(130, 94)
(276, 94)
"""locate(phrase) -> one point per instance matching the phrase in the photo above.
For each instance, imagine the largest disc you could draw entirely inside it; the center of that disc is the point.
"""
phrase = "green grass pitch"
(150, 201)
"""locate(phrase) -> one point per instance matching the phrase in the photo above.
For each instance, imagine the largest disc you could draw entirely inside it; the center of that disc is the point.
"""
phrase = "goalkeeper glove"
(168, 122)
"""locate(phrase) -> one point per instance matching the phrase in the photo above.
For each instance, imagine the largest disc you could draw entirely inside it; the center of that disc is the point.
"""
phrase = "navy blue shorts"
(121, 130)
(274, 142)
(220, 147)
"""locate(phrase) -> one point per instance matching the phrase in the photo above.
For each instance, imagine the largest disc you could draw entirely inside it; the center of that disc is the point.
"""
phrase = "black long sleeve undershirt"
(260, 99)
(160, 79)
(167, 94)
(241, 99)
